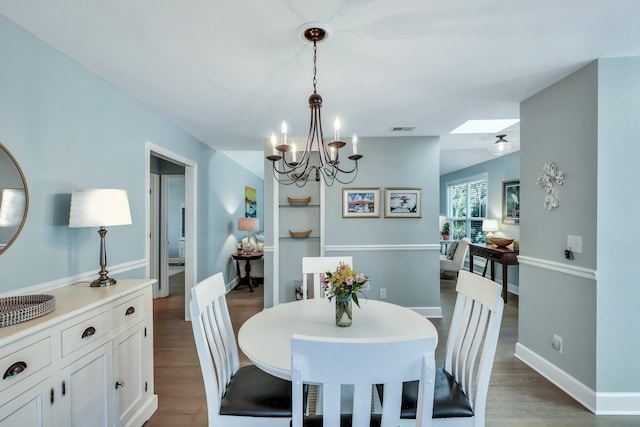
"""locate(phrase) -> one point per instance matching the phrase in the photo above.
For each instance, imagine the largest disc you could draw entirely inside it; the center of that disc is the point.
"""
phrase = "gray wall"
(588, 124)
(560, 124)
(174, 215)
(69, 129)
(410, 277)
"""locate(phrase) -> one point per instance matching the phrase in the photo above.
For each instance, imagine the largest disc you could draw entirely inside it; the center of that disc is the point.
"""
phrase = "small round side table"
(247, 258)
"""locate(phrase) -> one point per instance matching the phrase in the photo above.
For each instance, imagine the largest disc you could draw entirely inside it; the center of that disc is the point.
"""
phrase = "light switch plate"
(574, 244)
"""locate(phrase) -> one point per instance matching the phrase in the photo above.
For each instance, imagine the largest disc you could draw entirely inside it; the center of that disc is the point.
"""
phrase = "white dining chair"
(460, 398)
(317, 266)
(348, 370)
(236, 396)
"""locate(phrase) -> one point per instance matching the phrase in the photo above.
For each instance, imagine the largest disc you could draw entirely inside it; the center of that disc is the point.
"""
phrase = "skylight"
(485, 126)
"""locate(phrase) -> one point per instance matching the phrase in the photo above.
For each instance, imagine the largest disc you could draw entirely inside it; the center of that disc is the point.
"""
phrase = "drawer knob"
(14, 369)
(88, 332)
(130, 310)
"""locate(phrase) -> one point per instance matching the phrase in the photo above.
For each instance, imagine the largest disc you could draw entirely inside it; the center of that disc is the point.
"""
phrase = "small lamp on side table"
(489, 226)
(100, 208)
(248, 225)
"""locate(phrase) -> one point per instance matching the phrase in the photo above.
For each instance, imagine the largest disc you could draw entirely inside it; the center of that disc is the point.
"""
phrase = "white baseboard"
(598, 403)
(431, 312)
(232, 284)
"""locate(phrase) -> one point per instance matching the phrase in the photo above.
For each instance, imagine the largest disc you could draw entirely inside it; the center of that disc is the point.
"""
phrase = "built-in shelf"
(298, 216)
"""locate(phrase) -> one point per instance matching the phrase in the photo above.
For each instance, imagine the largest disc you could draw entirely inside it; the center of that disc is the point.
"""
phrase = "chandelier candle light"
(298, 168)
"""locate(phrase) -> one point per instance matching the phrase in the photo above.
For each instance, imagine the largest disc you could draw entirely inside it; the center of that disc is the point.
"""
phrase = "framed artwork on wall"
(361, 202)
(250, 202)
(511, 202)
(403, 202)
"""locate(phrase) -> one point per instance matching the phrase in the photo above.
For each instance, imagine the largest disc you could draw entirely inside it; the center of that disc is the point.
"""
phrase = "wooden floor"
(518, 396)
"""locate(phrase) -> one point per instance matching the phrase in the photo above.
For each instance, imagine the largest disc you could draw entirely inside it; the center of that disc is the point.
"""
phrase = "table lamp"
(489, 226)
(100, 208)
(248, 225)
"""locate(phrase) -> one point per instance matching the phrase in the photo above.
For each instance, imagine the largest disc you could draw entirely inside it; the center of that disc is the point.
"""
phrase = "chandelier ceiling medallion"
(299, 166)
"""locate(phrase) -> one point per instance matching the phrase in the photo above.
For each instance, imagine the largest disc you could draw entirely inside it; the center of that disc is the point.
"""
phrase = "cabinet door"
(129, 373)
(87, 390)
(29, 409)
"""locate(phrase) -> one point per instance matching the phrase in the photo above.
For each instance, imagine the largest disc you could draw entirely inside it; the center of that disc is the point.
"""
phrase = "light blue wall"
(618, 293)
(504, 168)
(69, 129)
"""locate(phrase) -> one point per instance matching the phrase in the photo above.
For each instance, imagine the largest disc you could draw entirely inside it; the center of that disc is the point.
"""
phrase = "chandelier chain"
(315, 69)
(294, 166)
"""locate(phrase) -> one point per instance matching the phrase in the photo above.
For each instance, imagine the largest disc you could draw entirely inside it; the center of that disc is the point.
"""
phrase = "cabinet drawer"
(129, 312)
(86, 331)
(24, 362)
(493, 257)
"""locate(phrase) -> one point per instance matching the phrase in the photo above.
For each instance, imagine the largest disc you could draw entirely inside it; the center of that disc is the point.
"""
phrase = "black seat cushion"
(449, 400)
(255, 393)
(345, 421)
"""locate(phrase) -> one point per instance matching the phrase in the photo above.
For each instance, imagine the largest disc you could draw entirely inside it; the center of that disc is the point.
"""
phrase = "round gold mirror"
(14, 199)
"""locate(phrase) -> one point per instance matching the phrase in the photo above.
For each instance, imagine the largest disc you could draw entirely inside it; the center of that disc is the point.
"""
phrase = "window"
(467, 207)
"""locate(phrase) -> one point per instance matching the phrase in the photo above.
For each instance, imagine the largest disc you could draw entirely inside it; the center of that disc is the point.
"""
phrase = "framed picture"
(361, 202)
(403, 202)
(511, 202)
(250, 202)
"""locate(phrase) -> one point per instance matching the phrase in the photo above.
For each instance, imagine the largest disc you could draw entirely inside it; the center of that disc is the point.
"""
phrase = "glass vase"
(343, 312)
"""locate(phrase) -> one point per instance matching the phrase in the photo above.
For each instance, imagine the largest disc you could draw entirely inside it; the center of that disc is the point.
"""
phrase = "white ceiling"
(228, 72)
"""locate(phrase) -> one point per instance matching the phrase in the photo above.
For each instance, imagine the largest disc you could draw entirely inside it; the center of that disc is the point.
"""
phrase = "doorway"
(171, 222)
(167, 237)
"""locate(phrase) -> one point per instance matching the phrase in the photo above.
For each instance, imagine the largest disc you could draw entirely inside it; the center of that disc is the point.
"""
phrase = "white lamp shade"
(248, 224)
(12, 206)
(99, 207)
(490, 225)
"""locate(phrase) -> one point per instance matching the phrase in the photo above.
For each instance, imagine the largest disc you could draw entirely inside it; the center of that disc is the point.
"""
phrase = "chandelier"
(291, 166)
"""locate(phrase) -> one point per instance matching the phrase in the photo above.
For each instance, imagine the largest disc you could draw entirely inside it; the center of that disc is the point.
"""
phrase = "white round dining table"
(266, 337)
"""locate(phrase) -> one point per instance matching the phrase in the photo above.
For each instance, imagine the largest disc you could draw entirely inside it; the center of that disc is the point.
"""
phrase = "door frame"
(191, 209)
(155, 270)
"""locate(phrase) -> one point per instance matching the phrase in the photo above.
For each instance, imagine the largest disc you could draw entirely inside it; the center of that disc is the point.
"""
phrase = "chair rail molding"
(585, 273)
(407, 247)
(81, 277)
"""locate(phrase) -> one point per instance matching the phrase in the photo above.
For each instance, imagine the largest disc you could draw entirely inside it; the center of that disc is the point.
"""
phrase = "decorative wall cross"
(551, 178)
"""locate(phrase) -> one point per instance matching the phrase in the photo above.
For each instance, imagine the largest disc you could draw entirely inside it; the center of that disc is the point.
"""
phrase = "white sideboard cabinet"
(87, 363)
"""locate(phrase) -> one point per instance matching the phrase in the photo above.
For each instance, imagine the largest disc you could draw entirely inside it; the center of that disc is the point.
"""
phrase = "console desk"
(493, 254)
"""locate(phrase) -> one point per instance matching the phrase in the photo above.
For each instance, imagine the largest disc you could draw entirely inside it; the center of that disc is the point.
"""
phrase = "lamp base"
(102, 282)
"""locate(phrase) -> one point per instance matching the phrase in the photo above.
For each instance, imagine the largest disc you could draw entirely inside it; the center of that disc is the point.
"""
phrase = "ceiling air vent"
(402, 128)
